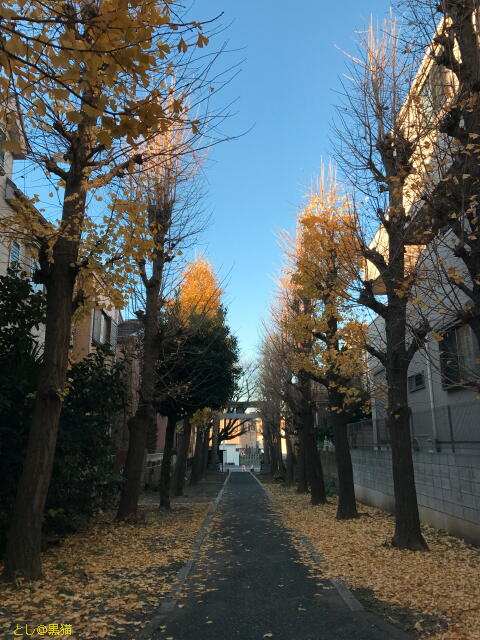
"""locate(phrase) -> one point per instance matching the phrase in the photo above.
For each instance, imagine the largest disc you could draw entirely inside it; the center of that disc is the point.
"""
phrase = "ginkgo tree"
(293, 310)
(326, 261)
(380, 135)
(197, 366)
(169, 190)
(274, 375)
(90, 82)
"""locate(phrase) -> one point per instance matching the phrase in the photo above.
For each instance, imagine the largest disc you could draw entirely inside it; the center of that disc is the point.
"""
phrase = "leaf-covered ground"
(441, 586)
(107, 580)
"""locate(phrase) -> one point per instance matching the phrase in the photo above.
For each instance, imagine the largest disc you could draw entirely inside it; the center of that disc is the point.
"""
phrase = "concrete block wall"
(448, 487)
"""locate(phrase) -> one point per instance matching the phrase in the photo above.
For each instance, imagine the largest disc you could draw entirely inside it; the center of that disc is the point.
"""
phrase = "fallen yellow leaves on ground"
(443, 583)
(107, 580)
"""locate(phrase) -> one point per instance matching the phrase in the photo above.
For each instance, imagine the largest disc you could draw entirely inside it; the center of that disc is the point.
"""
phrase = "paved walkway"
(249, 583)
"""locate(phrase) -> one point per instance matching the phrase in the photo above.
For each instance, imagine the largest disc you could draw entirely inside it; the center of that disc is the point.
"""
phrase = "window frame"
(101, 332)
(11, 261)
(455, 373)
(412, 382)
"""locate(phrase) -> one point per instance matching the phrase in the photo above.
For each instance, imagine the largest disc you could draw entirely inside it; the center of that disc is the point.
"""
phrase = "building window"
(432, 93)
(416, 382)
(36, 286)
(14, 254)
(459, 356)
(102, 327)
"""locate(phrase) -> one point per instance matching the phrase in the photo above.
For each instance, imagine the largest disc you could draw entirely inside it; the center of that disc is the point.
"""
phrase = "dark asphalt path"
(249, 581)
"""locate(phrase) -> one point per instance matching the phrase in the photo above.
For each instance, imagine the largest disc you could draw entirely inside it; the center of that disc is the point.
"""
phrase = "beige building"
(98, 326)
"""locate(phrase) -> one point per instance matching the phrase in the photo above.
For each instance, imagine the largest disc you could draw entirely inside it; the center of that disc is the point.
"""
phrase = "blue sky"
(289, 66)
(285, 90)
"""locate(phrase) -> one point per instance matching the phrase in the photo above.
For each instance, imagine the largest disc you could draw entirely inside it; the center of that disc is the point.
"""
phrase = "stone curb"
(343, 591)
(169, 603)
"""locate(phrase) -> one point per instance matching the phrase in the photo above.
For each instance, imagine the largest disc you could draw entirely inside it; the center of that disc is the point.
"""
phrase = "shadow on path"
(249, 582)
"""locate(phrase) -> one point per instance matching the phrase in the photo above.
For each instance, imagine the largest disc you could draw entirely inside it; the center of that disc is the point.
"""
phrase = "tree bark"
(313, 464)
(407, 521)
(347, 506)
(267, 461)
(276, 442)
(278, 447)
(289, 477)
(142, 422)
(301, 467)
(314, 467)
(205, 448)
(22, 556)
(215, 432)
(165, 471)
(408, 533)
(182, 456)
(197, 457)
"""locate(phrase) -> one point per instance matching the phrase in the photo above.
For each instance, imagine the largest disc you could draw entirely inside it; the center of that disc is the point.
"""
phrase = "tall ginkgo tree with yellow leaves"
(200, 292)
(90, 81)
(169, 191)
(325, 264)
(297, 343)
(198, 368)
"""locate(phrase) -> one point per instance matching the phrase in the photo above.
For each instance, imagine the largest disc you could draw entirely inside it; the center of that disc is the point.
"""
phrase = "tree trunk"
(267, 460)
(205, 449)
(142, 422)
(182, 456)
(278, 449)
(22, 556)
(314, 465)
(197, 457)
(215, 432)
(165, 471)
(347, 507)
(302, 486)
(290, 461)
(270, 447)
(127, 508)
(408, 533)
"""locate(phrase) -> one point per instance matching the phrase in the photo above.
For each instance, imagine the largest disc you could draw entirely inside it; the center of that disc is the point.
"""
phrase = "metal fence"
(446, 428)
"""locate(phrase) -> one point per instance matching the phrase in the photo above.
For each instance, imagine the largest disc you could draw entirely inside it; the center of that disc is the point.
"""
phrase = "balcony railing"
(447, 428)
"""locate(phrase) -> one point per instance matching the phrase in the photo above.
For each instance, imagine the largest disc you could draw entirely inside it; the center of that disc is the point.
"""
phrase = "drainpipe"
(432, 402)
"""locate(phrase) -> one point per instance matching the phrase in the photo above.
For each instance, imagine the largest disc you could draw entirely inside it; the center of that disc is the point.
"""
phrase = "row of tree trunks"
(175, 483)
(178, 482)
(165, 471)
(290, 463)
(304, 465)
